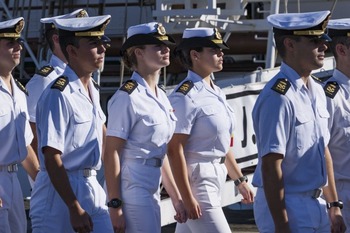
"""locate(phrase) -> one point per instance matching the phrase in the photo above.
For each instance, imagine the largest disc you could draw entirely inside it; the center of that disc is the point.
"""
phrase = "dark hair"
(48, 36)
(68, 40)
(338, 40)
(279, 41)
(129, 57)
(185, 56)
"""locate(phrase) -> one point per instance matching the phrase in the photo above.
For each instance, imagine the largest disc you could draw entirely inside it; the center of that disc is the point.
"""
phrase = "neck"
(151, 78)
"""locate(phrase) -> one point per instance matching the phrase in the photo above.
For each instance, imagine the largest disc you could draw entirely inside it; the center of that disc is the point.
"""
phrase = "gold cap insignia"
(161, 29)
(217, 34)
(19, 26)
(82, 14)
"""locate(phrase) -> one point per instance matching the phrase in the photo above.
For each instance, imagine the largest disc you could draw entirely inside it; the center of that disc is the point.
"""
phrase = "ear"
(340, 49)
(194, 55)
(72, 51)
(138, 52)
(55, 38)
(288, 43)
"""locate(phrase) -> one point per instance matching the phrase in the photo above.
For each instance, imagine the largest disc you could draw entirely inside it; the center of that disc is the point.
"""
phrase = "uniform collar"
(293, 76)
(58, 64)
(341, 78)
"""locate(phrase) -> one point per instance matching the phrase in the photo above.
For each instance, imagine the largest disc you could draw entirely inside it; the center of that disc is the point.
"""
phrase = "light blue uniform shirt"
(339, 125)
(203, 114)
(38, 83)
(294, 125)
(71, 122)
(15, 132)
(145, 121)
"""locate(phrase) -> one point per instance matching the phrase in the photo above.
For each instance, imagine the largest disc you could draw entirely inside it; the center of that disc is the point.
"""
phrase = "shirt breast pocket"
(304, 130)
(156, 129)
(82, 128)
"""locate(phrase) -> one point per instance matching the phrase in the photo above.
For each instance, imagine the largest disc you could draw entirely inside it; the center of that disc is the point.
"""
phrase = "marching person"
(290, 121)
(15, 133)
(50, 71)
(199, 151)
(67, 196)
(141, 123)
(337, 90)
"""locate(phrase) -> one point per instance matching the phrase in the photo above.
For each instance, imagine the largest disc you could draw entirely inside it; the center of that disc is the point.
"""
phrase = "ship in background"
(249, 63)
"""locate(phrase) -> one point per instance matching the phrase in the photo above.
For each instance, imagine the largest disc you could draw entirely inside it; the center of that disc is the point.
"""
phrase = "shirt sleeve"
(121, 115)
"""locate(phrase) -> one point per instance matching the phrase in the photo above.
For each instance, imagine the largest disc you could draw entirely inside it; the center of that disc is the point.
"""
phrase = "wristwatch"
(335, 204)
(240, 180)
(115, 203)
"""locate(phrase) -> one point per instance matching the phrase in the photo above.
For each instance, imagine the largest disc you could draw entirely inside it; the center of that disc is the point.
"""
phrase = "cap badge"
(325, 22)
(19, 27)
(104, 25)
(217, 34)
(82, 14)
(160, 29)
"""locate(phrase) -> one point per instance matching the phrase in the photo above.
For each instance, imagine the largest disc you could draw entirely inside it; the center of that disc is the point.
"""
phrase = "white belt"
(87, 172)
(9, 168)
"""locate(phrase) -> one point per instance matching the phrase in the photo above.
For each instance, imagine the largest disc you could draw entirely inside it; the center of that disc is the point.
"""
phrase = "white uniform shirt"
(145, 121)
(71, 122)
(293, 124)
(38, 83)
(339, 126)
(15, 132)
(203, 114)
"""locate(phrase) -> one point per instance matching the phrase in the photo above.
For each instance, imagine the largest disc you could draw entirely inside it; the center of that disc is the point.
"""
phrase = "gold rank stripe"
(308, 33)
(95, 33)
(217, 41)
(162, 37)
(12, 35)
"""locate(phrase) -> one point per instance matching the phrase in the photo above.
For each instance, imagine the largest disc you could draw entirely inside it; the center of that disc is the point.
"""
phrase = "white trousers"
(343, 189)
(305, 214)
(207, 180)
(49, 213)
(12, 214)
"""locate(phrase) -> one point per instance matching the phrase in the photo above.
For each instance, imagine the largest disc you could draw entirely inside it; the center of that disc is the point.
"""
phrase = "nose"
(165, 49)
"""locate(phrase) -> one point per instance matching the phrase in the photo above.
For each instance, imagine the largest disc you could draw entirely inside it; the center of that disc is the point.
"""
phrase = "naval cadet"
(15, 132)
(141, 123)
(200, 150)
(337, 90)
(50, 71)
(290, 121)
(67, 196)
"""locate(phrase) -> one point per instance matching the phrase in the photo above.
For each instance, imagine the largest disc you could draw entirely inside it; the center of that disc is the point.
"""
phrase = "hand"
(246, 192)
(118, 220)
(181, 216)
(81, 220)
(193, 209)
(336, 219)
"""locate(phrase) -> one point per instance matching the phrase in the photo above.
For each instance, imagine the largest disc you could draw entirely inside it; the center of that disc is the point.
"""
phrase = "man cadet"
(50, 71)
(67, 196)
(290, 122)
(15, 133)
(337, 90)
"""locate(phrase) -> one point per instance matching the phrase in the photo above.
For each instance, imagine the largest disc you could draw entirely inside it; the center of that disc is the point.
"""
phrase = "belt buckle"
(317, 193)
(87, 172)
(222, 159)
(12, 168)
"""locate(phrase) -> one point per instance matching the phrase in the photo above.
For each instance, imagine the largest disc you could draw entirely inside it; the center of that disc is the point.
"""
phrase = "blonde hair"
(129, 57)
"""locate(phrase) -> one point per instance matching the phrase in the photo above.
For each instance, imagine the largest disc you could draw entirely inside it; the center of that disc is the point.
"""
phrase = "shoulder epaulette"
(129, 86)
(185, 87)
(45, 70)
(281, 86)
(60, 83)
(331, 89)
(95, 84)
(161, 86)
(21, 87)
